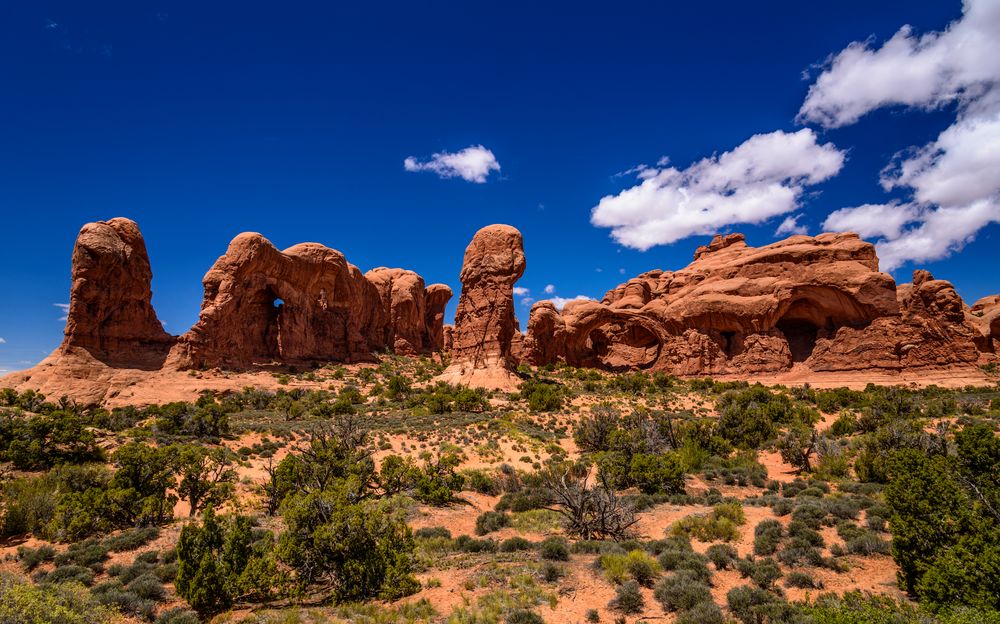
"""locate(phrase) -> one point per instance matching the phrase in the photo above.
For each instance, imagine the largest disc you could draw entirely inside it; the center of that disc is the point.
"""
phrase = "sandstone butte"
(804, 309)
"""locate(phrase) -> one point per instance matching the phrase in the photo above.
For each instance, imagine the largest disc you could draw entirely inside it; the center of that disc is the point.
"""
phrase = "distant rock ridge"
(813, 303)
(806, 305)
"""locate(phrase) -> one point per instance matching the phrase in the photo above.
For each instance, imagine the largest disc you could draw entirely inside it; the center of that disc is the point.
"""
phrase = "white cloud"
(960, 167)
(65, 310)
(549, 289)
(959, 64)
(955, 179)
(527, 301)
(560, 302)
(3, 340)
(873, 220)
(940, 233)
(474, 164)
(791, 225)
(520, 291)
(760, 179)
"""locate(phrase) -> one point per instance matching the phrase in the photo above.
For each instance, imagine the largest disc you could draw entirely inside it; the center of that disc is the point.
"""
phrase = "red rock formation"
(484, 322)
(415, 313)
(305, 304)
(805, 305)
(818, 303)
(985, 316)
(436, 298)
(110, 304)
(402, 295)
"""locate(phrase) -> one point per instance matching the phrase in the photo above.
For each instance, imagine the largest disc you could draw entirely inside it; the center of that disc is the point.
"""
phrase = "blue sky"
(201, 120)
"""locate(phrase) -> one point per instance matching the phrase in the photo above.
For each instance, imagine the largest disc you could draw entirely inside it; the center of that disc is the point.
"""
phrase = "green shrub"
(702, 613)
(691, 562)
(147, 586)
(802, 580)
(722, 556)
(655, 473)
(642, 567)
(31, 558)
(751, 605)
(64, 603)
(721, 524)
(514, 544)
(748, 418)
(681, 591)
(554, 549)
(491, 521)
(222, 558)
(767, 535)
(432, 532)
(628, 598)
(70, 574)
(867, 544)
(765, 572)
(523, 616)
(593, 433)
(541, 396)
(468, 544)
(178, 615)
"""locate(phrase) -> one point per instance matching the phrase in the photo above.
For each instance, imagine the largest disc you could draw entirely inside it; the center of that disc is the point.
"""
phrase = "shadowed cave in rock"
(620, 345)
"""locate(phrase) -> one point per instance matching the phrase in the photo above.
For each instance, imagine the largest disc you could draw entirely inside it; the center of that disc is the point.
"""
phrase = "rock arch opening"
(801, 336)
(270, 310)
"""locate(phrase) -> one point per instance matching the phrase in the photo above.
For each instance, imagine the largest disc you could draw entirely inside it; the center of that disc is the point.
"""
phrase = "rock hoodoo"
(484, 321)
(111, 313)
(436, 297)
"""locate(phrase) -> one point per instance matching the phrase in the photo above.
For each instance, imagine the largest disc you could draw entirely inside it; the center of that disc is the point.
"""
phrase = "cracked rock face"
(481, 341)
(110, 306)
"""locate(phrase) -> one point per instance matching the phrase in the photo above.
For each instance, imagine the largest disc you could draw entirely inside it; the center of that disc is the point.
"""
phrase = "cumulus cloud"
(961, 64)
(527, 301)
(954, 180)
(790, 226)
(549, 289)
(3, 340)
(560, 302)
(65, 310)
(474, 164)
(762, 178)
(520, 291)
